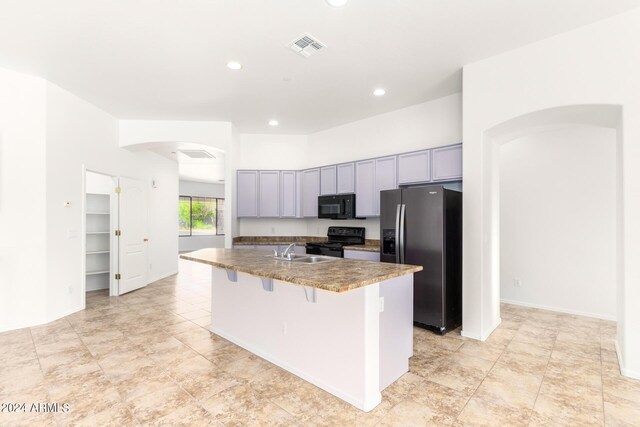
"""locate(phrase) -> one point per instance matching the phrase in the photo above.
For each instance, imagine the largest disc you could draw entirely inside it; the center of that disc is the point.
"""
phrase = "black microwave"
(341, 206)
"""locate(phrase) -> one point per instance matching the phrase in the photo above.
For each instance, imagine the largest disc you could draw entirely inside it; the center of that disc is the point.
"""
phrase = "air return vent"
(305, 45)
(197, 154)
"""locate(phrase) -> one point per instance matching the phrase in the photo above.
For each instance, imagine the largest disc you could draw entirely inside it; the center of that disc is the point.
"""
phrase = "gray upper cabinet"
(346, 175)
(298, 194)
(447, 163)
(365, 188)
(269, 200)
(385, 178)
(414, 167)
(288, 194)
(247, 194)
(310, 192)
(328, 180)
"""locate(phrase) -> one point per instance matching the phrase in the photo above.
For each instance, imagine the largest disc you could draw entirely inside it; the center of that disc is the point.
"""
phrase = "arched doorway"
(548, 120)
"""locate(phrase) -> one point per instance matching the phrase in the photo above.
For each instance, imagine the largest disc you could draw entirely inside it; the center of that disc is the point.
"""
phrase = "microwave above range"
(341, 206)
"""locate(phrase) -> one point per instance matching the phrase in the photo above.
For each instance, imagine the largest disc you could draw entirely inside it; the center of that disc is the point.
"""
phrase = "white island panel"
(342, 342)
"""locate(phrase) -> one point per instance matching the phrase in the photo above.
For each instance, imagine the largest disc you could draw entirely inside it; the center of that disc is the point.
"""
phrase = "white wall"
(79, 134)
(558, 221)
(595, 64)
(430, 124)
(263, 151)
(47, 137)
(23, 255)
(191, 188)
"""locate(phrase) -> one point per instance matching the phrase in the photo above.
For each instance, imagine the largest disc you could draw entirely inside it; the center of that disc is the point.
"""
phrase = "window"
(200, 216)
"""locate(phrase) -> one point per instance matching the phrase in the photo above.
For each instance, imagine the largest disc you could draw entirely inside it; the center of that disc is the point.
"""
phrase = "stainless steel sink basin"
(293, 257)
(314, 259)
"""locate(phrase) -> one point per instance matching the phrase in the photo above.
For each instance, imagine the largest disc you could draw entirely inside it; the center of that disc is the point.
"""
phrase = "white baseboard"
(559, 309)
(155, 279)
(358, 403)
(624, 371)
(484, 334)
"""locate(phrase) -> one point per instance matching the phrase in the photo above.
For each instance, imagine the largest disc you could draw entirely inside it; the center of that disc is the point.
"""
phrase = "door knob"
(146, 240)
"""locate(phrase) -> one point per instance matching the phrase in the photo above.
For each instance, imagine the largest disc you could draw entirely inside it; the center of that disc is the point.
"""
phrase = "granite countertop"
(371, 245)
(340, 275)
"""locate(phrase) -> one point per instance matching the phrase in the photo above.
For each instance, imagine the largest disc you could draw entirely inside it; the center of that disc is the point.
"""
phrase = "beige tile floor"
(147, 358)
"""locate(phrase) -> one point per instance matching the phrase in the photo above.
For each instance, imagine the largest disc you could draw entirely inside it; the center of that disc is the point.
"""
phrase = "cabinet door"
(363, 255)
(299, 194)
(328, 180)
(288, 194)
(365, 188)
(247, 194)
(447, 163)
(414, 167)
(269, 206)
(385, 178)
(346, 178)
(310, 192)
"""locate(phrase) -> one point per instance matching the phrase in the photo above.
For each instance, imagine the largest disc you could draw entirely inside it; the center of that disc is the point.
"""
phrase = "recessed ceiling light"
(234, 65)
(273, 123)
(337, 3)
(379, 92)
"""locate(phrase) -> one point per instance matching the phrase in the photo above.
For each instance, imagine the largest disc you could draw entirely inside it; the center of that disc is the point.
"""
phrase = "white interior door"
(132, 253)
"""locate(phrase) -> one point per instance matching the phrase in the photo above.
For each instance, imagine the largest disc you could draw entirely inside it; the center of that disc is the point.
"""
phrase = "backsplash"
(303, 226)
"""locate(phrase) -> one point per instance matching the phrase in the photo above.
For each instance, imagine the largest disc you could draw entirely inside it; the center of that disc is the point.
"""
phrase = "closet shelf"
(97, 252)
(91, 273)
(98, 232)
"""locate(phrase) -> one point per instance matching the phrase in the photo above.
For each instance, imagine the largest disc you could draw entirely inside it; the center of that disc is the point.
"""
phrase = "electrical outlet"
(273, 230)
(284, 328)
(516, 283)
(381, 304)
(70, 289)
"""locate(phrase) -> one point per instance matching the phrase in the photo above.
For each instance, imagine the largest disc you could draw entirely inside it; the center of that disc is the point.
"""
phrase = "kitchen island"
(344, 325)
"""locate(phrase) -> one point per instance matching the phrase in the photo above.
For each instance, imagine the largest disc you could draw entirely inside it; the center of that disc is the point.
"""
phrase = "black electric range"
(337, 238)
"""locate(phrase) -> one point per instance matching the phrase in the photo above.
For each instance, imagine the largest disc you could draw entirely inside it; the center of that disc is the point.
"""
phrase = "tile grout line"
(485, 377)
(42, 371)
(543, 377)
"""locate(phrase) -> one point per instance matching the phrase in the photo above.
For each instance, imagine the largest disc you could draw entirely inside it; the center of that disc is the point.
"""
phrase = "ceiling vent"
(197, 154)
(305, 45)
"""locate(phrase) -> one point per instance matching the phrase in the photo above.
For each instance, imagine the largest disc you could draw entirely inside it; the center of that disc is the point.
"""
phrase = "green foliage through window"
(200, 216)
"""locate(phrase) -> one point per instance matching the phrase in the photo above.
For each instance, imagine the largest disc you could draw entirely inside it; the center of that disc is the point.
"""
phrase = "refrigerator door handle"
(402, 214)
(397, 243)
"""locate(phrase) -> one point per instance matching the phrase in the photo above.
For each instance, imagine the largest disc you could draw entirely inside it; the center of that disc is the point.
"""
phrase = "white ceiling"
(150, 59)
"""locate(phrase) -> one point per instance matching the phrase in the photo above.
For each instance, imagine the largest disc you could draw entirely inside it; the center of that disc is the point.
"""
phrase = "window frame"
(191, 215)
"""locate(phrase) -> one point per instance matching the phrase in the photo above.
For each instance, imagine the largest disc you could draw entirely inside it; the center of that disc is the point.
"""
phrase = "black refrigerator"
(423, 226)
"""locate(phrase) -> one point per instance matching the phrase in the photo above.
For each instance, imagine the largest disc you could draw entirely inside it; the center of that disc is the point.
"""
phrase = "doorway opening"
(100, 253)
(593, 134)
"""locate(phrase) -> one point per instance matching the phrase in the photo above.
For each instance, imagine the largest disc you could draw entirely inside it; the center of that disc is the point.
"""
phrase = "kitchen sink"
(293, 257)
(315, 259)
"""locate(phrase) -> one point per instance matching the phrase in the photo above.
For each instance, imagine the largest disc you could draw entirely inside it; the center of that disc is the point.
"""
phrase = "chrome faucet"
(287, 252)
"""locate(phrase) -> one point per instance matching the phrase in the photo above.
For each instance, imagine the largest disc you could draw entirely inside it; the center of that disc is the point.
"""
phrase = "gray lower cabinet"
(365, 188)
(328, 180)
(288, 194)
(414, 167)
(346, 178)
(310, 192)
(247, 194)
(385, 173)
(363, 255)
(269, 189)
(447, 163)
